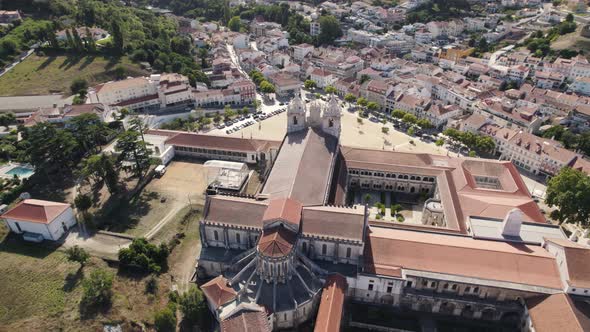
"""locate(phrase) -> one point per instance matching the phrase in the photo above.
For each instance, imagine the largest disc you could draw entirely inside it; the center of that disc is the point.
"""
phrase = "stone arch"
(467, 311)
(447, 307)
(511, 317)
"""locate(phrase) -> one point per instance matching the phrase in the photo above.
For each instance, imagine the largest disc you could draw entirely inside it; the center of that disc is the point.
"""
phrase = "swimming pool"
(20, 170)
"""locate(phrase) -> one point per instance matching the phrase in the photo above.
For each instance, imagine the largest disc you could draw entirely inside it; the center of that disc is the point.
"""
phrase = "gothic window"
(238, 238)
(330, 123)
(304, 247)
(216, 235)
(348, 252)
(467, 289)
(389, 289)
(294, 119)
(324, 249)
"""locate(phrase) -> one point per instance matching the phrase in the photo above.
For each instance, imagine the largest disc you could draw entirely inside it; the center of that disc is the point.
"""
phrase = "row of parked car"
(252, 119)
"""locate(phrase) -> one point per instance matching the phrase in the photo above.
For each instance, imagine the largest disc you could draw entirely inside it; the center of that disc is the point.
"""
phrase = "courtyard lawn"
(54, 74)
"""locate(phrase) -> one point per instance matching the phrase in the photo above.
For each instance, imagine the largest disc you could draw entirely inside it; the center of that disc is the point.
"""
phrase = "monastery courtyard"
(366, 135)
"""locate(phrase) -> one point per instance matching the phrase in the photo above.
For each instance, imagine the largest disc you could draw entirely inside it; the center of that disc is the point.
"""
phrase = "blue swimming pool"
(21, 172)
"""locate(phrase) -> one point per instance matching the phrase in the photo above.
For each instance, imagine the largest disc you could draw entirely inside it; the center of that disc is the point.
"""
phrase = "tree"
(411, 131)
(118, 40)
(364, 78)
(372, 106)
(97, 289)
(120, 72)
(472, 154)
(362, 101)
(228, 113)
(409, 118)
(329, 29)
(79, 86)
(89, 131)
(424, 123)
(398, 114)
(569, 17)
(7, 119)
(165, 320)
(267, 87)
(78, 44)
(193, 305)
(309, 84)
(89, 41)
(101, 167)
(485, 143)
(569, 191)
(330, 89)
(385, 130)
(77, 254)
(50, 149)
(137, 124)
(83, 202)
(350, 98)
(235, 24)
(256, 77)
(439, 142)
(144, 256)
(134, 150)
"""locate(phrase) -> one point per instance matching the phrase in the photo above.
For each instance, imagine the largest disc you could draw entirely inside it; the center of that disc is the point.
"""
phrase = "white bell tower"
(331, 117)
(296, 119)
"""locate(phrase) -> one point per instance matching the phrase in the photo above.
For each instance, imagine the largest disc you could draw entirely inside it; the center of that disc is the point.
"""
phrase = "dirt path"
(183, 258)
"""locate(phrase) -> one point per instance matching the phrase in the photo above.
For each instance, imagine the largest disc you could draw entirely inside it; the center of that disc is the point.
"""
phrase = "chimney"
(512, 222)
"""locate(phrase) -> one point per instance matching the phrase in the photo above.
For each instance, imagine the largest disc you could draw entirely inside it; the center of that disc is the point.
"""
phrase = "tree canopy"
(569, 191)
(329, 29)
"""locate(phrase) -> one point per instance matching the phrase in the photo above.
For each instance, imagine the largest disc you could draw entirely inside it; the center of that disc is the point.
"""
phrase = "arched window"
(304, 247)
(238, 238)
(348, 252)
(330, 123)
(216, 235)
(295, 119)
(324, 249)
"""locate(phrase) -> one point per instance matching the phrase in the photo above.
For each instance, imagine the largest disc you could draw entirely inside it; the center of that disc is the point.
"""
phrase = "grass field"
(572, 41)
(40, 290)
(54, 74)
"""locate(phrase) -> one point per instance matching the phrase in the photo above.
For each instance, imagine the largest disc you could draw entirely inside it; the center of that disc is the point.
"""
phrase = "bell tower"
(331, 117)
(296, 119)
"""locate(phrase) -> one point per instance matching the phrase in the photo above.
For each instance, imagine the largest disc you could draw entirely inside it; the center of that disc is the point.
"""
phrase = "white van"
(160, 170)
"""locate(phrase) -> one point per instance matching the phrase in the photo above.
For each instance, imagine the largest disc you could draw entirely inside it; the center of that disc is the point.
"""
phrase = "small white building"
(49, 219)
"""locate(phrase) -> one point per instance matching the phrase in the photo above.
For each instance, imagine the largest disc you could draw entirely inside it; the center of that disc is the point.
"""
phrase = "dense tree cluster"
(439, 10)
(144, 256)
(472, 141)
(569, 139)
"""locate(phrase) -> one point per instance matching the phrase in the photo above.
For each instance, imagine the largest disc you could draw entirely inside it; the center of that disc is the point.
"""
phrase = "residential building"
(144, 93)
(40, 219)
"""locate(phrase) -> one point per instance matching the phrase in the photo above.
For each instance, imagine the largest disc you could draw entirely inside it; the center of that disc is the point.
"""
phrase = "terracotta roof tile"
(218, 292)
(461, 256)
(285, 209)
(37, 211)
(276, 242)
(254, 321)
(331, 305)
(558, 312)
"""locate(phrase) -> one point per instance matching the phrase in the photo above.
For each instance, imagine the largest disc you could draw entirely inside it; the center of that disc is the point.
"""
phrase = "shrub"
(151, 285)
(193, 306)
(97, 290)
(144, 256)
(165, 320)
(378, 217)
(400, 218)
(77, 254)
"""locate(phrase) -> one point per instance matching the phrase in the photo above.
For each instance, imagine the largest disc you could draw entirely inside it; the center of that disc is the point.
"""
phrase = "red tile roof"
(558, 312)
(218, 292)
(460, 256)
(254, 321)
(37, 211)
(331, 306)
(286, 209)
(577, 258)
(276, 242)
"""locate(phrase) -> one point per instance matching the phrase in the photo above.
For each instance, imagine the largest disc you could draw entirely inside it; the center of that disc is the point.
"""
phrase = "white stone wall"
(52, 231)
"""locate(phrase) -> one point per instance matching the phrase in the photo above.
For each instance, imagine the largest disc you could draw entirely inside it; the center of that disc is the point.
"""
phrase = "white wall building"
(49, 219)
